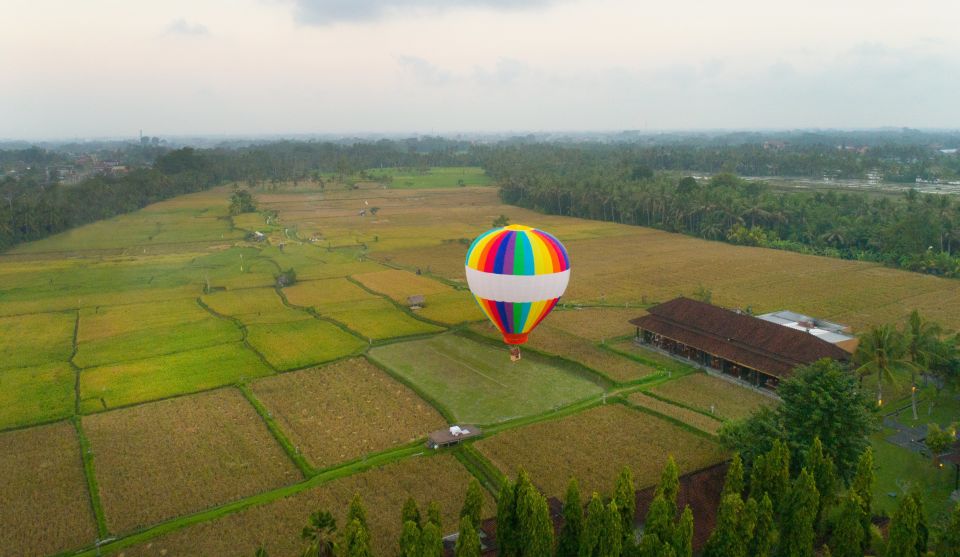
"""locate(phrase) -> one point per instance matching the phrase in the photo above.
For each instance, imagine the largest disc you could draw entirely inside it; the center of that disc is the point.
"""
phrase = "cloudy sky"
(107, 68)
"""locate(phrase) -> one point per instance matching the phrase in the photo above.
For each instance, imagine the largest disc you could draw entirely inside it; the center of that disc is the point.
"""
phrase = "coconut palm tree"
(922, 339)
(882, 351)
(319, 535)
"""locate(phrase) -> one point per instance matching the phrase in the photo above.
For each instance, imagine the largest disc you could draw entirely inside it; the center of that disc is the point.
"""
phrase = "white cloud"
(183, 28)
(326, 12)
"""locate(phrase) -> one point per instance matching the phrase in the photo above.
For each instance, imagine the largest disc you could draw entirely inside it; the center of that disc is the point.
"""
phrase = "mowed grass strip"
(342, 411)
(172, 457)
(122, 384)
(695, 419)
(40, 338)
(36, 394)
(377, 319)
(297, 344)
(712, 394)
(594, 445)
(253, 305)
(46, 508)
(552, 340)
(478, 383)
(275, 526)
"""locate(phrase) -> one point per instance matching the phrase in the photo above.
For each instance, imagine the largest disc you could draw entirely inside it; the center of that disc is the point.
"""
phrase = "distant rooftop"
(829, 331)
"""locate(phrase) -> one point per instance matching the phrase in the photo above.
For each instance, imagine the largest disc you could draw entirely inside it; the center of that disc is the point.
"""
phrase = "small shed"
(416, 301)
(453, 435)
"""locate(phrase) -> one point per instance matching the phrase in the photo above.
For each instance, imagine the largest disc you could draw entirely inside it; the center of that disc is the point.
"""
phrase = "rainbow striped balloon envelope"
(517, 274)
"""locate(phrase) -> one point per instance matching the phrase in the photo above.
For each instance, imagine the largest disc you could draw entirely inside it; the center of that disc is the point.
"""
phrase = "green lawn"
(478, 383)
(36, 394)
(899, 470)
(298, 344)
(154, 378)
(406, 178)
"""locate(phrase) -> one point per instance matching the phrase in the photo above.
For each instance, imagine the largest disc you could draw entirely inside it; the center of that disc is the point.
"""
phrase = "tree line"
(800, 483)
(919, 232)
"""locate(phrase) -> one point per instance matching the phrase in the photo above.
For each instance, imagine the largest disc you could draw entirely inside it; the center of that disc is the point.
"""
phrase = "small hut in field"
(416, 301)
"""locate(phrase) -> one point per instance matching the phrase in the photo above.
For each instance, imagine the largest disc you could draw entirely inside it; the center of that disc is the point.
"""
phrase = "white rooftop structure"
(834, 333)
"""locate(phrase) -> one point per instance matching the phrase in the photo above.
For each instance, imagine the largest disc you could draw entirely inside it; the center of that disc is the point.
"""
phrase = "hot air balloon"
(517, 274)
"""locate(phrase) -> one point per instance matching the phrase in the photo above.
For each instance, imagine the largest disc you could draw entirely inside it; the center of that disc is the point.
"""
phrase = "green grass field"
(114, 385)
(406, 178)
(478, 383)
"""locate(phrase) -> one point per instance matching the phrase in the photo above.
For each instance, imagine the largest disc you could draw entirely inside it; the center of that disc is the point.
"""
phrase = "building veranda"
(754, 350)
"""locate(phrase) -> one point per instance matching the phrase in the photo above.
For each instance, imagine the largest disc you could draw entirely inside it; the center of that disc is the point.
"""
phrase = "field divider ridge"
(288, 447)
(679, 423)
(323, 476)
(76, 368)
(93, 488)
(436, 404)
(396, 304)
(489, 476)
(243, 332)
(676, 368)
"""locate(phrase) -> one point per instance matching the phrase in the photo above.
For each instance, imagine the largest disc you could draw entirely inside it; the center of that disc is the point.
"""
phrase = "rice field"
(711, 394)
(685, 415)
(345, 410)
(442, 303)
(110, 386)
(46, 508)
(377, 319)
(36, 394)
(297, 344)
(594, 445)
(478, 383)
(275, 526)
(318, 293)
(253, 305)
(29, 340)
(172, 457)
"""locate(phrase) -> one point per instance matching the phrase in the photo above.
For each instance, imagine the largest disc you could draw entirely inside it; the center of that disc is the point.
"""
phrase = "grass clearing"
(114, 385)
(297, 344)
(36, 394)
(46, 508)
(551, 340)
(377, 319)
(30, 340)
(342, 411)
(275, 525)
(408, 178)
(478, 383)
(695, 419)
(164, 459)
(899, 470)
(594, 446)
(704, 392)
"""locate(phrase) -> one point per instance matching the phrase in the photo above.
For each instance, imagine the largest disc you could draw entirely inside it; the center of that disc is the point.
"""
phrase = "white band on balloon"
(517, 288)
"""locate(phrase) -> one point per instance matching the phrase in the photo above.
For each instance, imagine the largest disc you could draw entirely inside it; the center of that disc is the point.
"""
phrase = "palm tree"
(882, 351)
(319, 535)
(922, 343)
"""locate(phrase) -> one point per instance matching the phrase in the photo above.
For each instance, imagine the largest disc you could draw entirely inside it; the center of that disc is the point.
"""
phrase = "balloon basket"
(514, 353)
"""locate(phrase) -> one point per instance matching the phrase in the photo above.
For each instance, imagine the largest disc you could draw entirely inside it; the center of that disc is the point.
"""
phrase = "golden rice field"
(345, 410)
(706, 393)
(594, 446)
(298, 344)
(377, 319)
(695, 419)
(276, 526)
(442, 303)
(43, 490)
(253, 305)
(317, 293)
(177, 456)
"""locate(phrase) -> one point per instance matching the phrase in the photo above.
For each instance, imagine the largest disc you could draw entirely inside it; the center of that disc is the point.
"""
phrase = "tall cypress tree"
(431, 541)
(625, 497)
(950, 538)
(569, 543)
(592, 528)
(473, 503)
(669, 485)
(410, 539)
(847, 538)
(824, 474)
(862, 485)
(727, 538)
(434, 514)
(506, 520)
(357, 539)
(611, 538)
(468, 540)
(771, 476)
(410, 512)
(799, 514)
(683, 534)
(764, 531)
(539, 528)
(660, 519)
(923, 532)
(734, 481)
(902, 541)
(356, 511)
